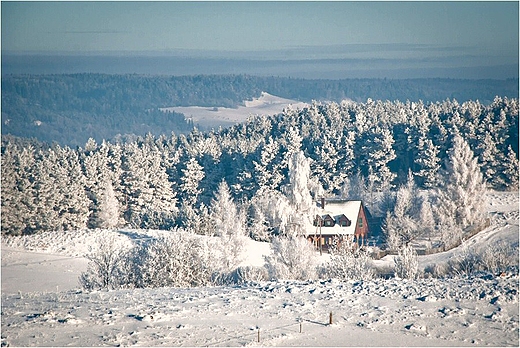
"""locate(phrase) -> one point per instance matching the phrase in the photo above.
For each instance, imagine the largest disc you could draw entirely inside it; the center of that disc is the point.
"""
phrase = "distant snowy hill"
(207, 117)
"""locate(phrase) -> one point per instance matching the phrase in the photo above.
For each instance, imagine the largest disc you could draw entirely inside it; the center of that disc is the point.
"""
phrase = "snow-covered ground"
(42, 304)
(266, 104)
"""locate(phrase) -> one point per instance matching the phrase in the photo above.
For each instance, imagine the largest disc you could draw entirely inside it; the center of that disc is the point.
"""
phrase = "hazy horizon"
(297, 39)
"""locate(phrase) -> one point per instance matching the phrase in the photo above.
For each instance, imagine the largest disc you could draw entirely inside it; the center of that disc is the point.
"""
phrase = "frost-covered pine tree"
(47, 198)
(190, 181)
(151, 199)
(108, 209)
(258, 227)
(354, 188)
(18, 193)
(191, 177)
(460, 199)
(228, 224)
(298, 189)
(223, 213)
(401, 225)
(426, 219)
(510, 170)
(268, 169)
(274, 208)
(428, 162)
(378, 152)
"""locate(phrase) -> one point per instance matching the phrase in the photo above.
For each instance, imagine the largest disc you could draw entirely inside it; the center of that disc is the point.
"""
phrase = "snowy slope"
(42, 304)
(266, 104)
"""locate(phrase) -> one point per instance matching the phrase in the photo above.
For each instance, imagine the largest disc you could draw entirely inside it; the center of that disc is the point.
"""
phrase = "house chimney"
(322, 203)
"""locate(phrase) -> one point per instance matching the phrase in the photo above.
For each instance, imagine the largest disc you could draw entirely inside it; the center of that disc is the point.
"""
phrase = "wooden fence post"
(330, 318)
(258, 335)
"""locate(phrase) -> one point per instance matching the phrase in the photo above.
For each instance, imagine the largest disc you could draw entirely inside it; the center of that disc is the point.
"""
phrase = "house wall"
(361, 226)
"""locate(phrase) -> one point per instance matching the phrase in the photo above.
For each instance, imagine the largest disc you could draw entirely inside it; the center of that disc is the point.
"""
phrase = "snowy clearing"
(380, 312)
(42, 304)
(266, 104)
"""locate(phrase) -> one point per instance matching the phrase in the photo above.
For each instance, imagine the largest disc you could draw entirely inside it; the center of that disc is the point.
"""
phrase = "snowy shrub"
(499, 257)
(438, 270)
(496, 258)
(229, 252)
(465, 263)
(293, 258)
(175, 260)
(348, 263)
(242, 275)
(107, 266)
(406, 263)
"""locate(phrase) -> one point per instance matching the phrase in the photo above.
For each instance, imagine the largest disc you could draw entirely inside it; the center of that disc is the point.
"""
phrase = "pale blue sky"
(145, 26)
(468, 39)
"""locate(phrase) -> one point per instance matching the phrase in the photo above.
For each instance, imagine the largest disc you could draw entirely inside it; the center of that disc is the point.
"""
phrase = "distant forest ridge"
(70, 109)
(288, 64)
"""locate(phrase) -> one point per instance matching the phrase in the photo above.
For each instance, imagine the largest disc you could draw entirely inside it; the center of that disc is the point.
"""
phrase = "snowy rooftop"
(336, 208)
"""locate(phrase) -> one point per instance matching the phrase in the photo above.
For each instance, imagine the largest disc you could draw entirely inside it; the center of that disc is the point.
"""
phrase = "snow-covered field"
(42, 304)
(266, 104)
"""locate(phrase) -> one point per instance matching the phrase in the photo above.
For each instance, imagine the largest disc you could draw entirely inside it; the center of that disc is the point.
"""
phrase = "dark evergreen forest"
(70, 109)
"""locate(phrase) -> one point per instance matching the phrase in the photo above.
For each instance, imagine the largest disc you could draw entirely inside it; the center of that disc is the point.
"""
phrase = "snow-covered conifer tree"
(428, 162)
(426, 219)
(229, 225)
(102, 168)
(224, 216)
(18, 193)
(74, 206)
(401, 226)
(275, 209)
(460, 200)
(258, 227)
(378, 152)
(108, 208)
(47, 199)
(268, 173)
(510, 169)
(151, 199)
(298, 191)
(192, 175)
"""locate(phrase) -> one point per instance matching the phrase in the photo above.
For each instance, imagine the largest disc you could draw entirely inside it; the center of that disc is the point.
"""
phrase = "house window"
(360, 222)
(328, 221)
(344, 223)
